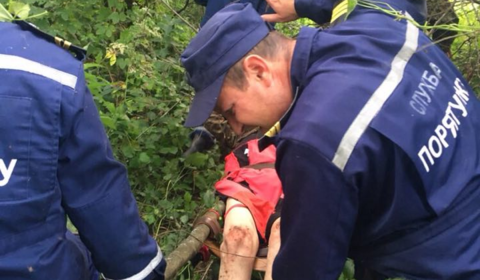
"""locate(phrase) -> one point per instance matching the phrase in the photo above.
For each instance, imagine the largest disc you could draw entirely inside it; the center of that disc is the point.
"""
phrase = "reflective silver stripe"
(12, 62)
(378, 98)
(148, 269)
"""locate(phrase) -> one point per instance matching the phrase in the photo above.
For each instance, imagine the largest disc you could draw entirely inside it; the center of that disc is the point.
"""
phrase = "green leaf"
(92, 65)
(4, 14)
(165, 204)
(128, 151)
(108, 122)
(110, 107)
(184, 219)
(348, 270)
(70, 226)
(351, 6)
(122, 63)
(64, 16)
(144, 158)
(18, 9)
(196, 159)
(114, 17)
(208, 198)
(149, 218)
(187, 197)
(168, 150)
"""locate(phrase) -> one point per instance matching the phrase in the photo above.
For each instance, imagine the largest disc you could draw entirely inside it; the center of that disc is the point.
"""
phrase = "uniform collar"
(300, 62)
(299, 67)
(78, 52)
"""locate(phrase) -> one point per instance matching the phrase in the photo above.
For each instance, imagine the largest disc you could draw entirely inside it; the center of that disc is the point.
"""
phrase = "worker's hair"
(272, 46)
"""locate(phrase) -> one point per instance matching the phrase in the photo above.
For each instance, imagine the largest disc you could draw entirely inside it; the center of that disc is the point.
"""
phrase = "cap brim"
(204, 102)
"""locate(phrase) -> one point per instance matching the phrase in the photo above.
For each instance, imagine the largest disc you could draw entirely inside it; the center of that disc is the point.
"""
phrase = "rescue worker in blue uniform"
(56, 160)
(377, 135)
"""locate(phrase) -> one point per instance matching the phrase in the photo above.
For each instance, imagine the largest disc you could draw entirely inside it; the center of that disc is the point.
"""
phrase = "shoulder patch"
(77, 52)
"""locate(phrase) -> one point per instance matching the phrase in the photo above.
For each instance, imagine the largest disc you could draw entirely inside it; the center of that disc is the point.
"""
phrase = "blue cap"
(225, 39)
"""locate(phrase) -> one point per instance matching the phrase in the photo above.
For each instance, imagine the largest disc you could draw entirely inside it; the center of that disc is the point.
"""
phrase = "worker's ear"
(257, 70)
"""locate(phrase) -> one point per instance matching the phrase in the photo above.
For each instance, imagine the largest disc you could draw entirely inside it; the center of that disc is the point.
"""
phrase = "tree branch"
(183, 19)
(191, 245)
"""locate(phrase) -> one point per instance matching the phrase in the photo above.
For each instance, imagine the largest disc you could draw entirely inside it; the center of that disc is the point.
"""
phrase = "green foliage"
(17, 10)
(465, 48)
(348, 271)
(5, 14)
(291, 29)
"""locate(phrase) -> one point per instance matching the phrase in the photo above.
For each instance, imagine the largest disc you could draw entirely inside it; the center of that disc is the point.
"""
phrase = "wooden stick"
(191, 245)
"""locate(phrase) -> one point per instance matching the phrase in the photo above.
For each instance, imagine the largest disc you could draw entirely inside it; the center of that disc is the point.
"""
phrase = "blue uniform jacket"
(213, 6)
(55, 159)
(319, 11)
(379, 156)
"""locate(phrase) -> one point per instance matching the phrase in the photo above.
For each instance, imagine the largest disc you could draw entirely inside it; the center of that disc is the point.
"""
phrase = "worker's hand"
(284, 11)
(202, 141)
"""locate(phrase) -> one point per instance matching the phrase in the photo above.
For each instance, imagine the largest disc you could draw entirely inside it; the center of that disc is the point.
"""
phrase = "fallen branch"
(191, 245)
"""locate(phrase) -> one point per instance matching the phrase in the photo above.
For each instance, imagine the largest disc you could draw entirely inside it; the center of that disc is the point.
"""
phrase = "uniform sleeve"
(96, 194)
(201, 2)
(318, 214)
(319, 11)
